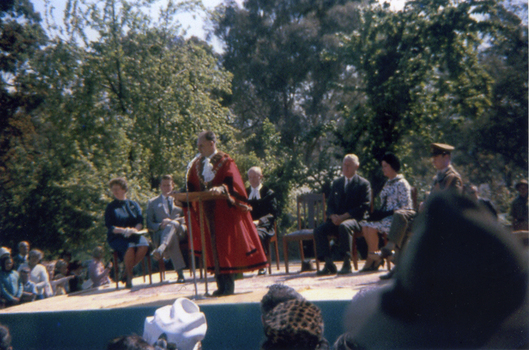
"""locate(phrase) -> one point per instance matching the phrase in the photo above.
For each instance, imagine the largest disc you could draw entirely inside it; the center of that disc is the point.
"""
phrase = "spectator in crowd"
(124, 220)
(39, 274)
(447, 293)
(264, 208)
(5, 338)
(10, 285)
(75, 282)
(519, 207)
(22, 256)
(30, 291)
(395, 195)
(129, 342)
(60, 278)
(472, 191)
(291, 322)
(179, 326)
(4, 251)
(97, 272)
(348, 202)
(165, 220)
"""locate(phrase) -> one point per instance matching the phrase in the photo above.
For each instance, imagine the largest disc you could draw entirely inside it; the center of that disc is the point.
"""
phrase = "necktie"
(169, 204)
(346, 183)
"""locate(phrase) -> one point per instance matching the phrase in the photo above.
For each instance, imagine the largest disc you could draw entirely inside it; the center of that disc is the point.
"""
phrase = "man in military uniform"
(446, 179)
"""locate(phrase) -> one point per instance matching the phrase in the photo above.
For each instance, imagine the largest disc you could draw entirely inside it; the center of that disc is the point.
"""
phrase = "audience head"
(7, 263)
(24, 274)
(206, 143)
(255, 175)
(34, 257)
(97, 253)
(166, 184)
(23, 248)
(181, 325)
(277, 294)
(350, 165)
(5, 338)
(441, 154)
(471, 191)
(4, 251)
(294, 324)
(522, 187)
(129, 342)
(447, 292)
(61, 267)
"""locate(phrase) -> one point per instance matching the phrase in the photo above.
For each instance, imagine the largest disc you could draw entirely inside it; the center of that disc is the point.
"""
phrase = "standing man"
(264, 208)
(165, 219)
(348, 202)
(234, 240)
(446, 179)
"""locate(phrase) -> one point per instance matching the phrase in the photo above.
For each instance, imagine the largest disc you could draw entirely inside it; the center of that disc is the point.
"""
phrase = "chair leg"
(301, 251)
(277, 254)
(354, 253)
(149, 266)
(269, 256)
(316, 255)
(161, 268)
(143, 269)
(285, 253)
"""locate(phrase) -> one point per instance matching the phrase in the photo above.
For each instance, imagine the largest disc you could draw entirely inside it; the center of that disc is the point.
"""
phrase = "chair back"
(311, 210)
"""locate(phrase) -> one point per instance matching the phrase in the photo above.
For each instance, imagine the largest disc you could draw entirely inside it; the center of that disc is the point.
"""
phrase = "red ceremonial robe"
(238, 246)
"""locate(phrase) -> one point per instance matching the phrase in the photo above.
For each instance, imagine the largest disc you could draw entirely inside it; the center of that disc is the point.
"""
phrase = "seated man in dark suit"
(264, 204)
(348, 202)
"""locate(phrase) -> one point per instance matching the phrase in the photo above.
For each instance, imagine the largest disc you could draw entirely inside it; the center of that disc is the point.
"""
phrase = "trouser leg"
(225, 283)
(322, 242)
(345, 237)
(399, 226)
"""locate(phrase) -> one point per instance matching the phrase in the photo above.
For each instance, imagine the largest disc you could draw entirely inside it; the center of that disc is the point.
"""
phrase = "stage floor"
(249, 289)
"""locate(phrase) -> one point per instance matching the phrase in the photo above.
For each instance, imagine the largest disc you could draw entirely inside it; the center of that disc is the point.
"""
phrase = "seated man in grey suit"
(348, 202)
(165, 219)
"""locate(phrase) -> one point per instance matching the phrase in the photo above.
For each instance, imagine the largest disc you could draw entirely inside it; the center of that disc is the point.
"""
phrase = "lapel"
(349, 190)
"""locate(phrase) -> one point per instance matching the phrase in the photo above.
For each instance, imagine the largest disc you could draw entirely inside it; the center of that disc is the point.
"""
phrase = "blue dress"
(125, 213)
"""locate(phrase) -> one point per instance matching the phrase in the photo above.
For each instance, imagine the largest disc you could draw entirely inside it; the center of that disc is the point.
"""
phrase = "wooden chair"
(273, 240)
(147, 257)
(311, 213)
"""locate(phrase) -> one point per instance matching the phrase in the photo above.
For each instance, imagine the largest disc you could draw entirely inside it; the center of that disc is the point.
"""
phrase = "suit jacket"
(448, 180)
(355, 199)
(156, 212)
(264, 209)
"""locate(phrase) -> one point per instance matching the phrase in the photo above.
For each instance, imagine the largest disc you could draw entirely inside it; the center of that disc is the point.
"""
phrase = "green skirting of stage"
(230, 326)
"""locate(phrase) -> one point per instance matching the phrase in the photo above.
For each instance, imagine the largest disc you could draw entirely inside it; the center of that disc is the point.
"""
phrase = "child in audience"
(10, 285)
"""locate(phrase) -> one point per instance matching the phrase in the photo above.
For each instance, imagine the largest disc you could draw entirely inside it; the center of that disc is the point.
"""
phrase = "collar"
(258, 188)
(211, 155)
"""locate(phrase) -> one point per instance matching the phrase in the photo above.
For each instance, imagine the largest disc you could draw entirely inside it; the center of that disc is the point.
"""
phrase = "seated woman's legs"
(132, 257)
(373, 259)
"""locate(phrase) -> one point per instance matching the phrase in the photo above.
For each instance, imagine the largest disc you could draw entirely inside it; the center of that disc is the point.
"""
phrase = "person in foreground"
(290, 322)
(123, 220)
(235, 245)
(264, 208)
(449, 291)
(347, 204)
(395, 195)
(164, 218)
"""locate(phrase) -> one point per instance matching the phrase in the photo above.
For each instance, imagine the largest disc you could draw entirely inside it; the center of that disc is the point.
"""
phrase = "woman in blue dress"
(123, 219)
(396, 194)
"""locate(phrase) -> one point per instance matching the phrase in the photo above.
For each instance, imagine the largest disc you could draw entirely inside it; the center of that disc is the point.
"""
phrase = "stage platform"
(89, 319)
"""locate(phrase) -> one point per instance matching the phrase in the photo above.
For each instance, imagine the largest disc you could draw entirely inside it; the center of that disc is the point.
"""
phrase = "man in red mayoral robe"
(228, 221)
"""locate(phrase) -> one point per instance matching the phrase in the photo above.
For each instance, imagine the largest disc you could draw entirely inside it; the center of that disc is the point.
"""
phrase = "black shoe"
(261, 272)
(388, 275)
(128, 284)
(385, 252)
(217, 293)
(345, 270)
(329, 269)
(180, 275)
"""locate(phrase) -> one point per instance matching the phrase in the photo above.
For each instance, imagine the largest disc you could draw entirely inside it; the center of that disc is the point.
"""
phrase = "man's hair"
(120, 181)
(23, 242)
(353, 157)
(129, 342)
(166, 177)
(255, 169)
(209, 135)
(36, 252)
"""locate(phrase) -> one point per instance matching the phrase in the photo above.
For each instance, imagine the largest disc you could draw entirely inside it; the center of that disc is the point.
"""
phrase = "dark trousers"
(344, 233)
(225, 283)
(400, 229)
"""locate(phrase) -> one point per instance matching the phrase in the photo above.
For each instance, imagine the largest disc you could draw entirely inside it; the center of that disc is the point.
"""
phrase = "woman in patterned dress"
(396, 194)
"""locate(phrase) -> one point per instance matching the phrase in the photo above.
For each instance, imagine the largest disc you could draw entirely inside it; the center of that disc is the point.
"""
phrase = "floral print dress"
(396, 194)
